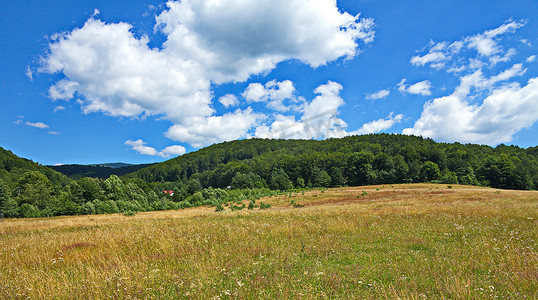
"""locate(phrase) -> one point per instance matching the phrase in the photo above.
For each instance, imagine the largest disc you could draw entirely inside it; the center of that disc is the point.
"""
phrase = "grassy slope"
(409, 241)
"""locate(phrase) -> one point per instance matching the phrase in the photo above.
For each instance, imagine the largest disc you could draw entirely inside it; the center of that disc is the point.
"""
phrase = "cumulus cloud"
(63, 90)
(379, 125)
(234, 39)
(175, 150)
(274, 93)
(229, 100)
(115, 72)
(201, 132)
(503, 112)
(319, 118)
(118, 74)
(378, 95)
(141, 147)
(420, 88)
(39, 125)
(531, 58)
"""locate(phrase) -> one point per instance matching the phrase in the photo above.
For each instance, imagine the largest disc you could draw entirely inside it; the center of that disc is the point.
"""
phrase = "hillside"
(13, 167)
(354, 160)
(411, 241)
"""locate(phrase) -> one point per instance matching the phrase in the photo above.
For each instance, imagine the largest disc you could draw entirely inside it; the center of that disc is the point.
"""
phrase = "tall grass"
(402, 241)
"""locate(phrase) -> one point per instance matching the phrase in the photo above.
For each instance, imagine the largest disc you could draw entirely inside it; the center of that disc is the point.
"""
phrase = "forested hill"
(232, 172)
(354, 160)
(12, 168)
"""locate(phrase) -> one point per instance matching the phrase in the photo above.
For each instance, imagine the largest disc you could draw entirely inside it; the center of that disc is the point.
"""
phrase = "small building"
(171, 193)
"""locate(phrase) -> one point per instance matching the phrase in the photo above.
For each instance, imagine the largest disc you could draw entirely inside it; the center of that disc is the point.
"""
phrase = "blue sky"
(144, 81)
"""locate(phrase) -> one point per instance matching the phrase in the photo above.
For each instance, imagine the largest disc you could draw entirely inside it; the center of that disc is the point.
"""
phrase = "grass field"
(419, 241)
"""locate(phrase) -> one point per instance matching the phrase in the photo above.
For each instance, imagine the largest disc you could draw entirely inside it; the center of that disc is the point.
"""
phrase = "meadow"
(409, 241)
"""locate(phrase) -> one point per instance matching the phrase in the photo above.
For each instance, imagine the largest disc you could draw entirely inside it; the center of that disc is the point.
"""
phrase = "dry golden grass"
(404, 241)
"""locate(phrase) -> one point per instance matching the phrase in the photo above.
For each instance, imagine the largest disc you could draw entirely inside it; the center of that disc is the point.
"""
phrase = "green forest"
(231, 172)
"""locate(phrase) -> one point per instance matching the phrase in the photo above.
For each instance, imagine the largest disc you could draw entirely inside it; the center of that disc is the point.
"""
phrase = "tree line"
(230, 172)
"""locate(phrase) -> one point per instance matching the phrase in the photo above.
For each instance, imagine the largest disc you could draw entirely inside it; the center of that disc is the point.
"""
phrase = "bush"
(124, 206)
(105, 207)
(197, 199)
(87, 208)
(129, 213)
(264, 205)
(29, 211)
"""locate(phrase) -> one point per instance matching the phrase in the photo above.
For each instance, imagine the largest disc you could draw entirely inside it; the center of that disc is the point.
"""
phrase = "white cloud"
(526, 42)
(63, 90)
(207, 42)
(175, 150)
(504, 58)
(234, 39)
(274, 93)
(283, 127)
(140, 147)
(420, 88)
(39, 125)
(255, 92)
(378, 95)
(379, 125)
(504, 111)
(486, 45)
(478, 81)
(201, 132)
(319, 119)
(432, 57)
(118, 74)
(273, 90)
(54, 133)
(531, 58)
(59, 108)
(327, 100)
(229, 100)
(29, 73)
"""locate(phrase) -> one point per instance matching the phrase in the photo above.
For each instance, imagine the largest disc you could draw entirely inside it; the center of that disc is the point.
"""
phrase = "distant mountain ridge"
(113, 165)
(76, 171)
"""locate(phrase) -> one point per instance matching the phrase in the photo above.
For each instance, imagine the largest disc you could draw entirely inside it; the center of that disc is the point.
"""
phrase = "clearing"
(413, 241)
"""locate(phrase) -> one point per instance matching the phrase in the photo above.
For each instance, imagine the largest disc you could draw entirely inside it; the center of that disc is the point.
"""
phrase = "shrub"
(264, 205)
(87, 208)
(29, 211)
(129, 213)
